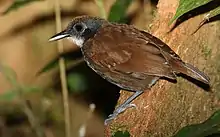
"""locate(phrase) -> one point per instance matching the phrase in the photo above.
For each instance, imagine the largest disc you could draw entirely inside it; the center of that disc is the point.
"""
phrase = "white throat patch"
(78, 41)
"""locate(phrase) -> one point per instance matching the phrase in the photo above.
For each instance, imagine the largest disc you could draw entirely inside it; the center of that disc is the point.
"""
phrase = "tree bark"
(168, 107)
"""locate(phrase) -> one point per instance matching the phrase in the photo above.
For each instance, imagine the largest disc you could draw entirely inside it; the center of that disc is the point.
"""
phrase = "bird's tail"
(196, 73)
(179, 66)
(190, 70)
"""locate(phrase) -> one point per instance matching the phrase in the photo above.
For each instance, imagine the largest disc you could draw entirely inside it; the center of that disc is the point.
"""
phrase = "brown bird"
(128, 57)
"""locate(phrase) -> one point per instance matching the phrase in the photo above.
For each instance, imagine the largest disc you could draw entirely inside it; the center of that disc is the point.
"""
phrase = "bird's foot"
(117, 111)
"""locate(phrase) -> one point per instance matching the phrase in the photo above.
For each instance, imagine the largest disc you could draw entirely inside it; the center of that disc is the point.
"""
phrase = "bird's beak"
(59, 36)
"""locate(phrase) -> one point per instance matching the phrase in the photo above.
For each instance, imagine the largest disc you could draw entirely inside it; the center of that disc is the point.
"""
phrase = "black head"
(80, 29)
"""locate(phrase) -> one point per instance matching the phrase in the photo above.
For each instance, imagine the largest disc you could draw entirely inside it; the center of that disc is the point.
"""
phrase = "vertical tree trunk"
(168, 107)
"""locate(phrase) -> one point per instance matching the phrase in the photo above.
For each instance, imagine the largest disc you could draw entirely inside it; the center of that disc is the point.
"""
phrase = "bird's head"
(80, 29)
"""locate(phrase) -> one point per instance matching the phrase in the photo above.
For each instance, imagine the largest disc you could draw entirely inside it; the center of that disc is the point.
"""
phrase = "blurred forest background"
(31, 102)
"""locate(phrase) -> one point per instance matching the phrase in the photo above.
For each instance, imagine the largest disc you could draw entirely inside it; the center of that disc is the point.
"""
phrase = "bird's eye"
(79, 27)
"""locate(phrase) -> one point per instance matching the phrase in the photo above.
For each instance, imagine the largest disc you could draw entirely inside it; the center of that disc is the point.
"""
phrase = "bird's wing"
(126, 50)
(160, 44)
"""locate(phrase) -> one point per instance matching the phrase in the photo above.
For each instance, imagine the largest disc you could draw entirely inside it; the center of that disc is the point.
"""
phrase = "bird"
(128, 57)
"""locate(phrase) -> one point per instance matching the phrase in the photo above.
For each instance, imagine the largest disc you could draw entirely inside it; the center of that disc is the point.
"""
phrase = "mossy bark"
(168, 107)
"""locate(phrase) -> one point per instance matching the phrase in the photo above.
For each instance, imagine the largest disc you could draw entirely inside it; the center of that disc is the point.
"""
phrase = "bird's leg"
(123, 107)
(127, 104)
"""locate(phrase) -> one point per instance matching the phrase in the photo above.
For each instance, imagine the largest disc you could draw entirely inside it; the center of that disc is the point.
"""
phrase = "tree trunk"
(168, 107)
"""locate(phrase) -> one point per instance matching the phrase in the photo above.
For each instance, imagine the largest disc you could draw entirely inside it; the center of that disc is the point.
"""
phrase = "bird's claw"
(117, 111)
(132, 105)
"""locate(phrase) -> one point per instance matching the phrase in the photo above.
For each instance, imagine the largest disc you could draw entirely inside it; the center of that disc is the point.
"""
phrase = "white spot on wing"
(78, 41)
